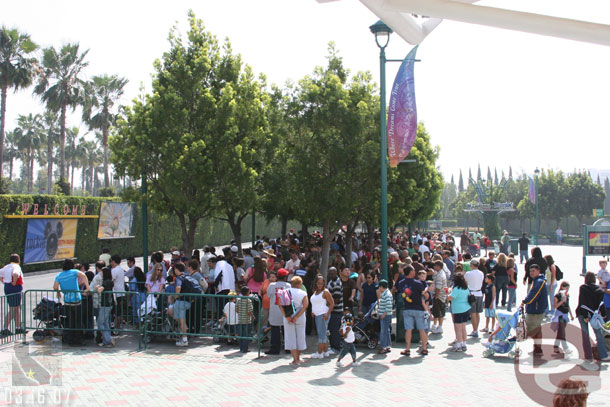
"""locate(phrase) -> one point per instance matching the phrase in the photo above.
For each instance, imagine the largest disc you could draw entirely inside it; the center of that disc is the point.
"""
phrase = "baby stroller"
(158, 321)
(366, 329)
(505, 339)
(49, 313)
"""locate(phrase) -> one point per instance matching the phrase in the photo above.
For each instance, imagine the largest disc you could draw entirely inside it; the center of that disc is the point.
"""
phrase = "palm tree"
(11, 151)
(51, 126)
(93, 158)
(16, 70)
(61, 86)
(31, 137)
(101, 93)
(71, 151)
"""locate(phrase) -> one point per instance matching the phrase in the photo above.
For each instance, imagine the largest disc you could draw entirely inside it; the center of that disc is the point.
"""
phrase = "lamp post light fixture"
(382, 38)
(536, 172)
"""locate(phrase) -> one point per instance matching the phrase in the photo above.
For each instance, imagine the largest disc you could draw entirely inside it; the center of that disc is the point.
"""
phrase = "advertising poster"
(599, 243)
(116, 220)
(49, 240)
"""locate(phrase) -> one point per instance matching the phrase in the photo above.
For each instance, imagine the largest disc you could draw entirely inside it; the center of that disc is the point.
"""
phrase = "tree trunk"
(370, 236)
(31, 181)
(235, 225)
(349, 234)
(50, 161)
(188, 234)
(10, 168)
(72, 179)
(91, 179)
(284, 226)
(2, 122)
(62, 143)
(105, 145)
(326, 239)
(303, 235)
(28, 171)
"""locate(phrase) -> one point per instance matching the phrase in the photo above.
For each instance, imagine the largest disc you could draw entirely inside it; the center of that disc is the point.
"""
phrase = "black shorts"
(121, 306)
(438, 308)
(461, 318)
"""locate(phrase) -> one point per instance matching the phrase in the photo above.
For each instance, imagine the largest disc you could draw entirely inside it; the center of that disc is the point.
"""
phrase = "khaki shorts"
(533, 322)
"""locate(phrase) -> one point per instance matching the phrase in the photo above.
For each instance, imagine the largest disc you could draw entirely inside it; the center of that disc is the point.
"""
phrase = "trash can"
(514, 246)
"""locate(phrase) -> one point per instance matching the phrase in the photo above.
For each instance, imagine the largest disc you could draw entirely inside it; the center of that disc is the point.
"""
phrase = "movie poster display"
(49, 240)
(116, 220)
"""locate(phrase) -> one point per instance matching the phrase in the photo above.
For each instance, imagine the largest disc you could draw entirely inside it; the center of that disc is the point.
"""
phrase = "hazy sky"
(486, 95)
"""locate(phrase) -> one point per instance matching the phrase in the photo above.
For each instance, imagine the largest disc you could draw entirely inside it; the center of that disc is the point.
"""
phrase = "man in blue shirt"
(535, 306)
(412, 291)
(68, 282)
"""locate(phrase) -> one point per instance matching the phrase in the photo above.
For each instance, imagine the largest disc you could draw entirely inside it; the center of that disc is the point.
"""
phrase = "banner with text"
(49, 240)
(402, 112)
(116, 220)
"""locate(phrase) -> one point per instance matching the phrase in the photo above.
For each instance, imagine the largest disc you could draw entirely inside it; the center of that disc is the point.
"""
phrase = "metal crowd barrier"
(11, 323)
(151, 316)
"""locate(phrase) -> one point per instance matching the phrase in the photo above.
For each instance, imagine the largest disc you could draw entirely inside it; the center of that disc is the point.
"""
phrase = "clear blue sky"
(486, 95)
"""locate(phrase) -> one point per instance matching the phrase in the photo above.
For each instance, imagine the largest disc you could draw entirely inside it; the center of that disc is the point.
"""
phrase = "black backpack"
(190, 285)
(558, 273)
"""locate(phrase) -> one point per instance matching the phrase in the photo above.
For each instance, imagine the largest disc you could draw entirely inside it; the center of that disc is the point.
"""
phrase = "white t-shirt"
(228, 275)
(349, 338)
(118, 278)
(231, 313)
(293, 265)
(297, 299)
(422, 249)
(105, 257)
(354, 257)
(7, 272)
(475, 278)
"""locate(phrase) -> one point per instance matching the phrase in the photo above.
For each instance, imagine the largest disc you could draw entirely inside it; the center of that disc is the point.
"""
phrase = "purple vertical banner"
(402, 112)
(532, 191)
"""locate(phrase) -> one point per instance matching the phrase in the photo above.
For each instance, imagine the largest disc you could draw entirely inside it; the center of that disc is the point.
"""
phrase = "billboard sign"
(49, 240)
(116, 220)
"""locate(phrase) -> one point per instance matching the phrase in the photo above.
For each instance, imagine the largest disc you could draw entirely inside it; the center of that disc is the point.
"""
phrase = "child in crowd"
(230, 319)
(490, 302)
(560, 318)
(170, 288)
(346, 331)
(245, 315)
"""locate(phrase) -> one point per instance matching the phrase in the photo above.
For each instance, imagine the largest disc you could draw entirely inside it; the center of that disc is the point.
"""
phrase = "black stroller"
(50, 315)
(367, 328)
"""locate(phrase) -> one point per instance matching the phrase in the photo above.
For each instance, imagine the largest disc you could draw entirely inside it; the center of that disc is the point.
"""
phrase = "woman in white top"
(154, 279)
(294, 325)
(322, 304)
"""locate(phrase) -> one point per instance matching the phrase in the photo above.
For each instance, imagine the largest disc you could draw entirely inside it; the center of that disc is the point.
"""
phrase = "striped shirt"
(336, 290)
(243, 307)
(385, 303)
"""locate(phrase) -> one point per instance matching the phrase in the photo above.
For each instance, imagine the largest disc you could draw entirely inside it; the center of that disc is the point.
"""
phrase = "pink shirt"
(254, 286)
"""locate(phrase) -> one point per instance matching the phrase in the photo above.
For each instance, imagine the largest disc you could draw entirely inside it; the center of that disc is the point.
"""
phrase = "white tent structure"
(399, 15)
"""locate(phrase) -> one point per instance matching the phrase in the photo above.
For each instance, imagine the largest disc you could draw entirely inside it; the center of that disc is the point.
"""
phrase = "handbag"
(471, 298)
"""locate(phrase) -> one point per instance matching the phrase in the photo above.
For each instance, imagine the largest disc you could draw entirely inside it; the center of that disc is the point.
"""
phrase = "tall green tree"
(583, 195)
(99, 110)
(31, 138)
(11, 151)
(479, 173)
(50, 124)
(553, 195)
(61, 87)
(461, 183)
(205, 116)
(17, 66)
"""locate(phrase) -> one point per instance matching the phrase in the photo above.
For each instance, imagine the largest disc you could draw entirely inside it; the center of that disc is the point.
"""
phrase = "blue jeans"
(321, 328)
(523, 254)
(103, 324)
(244, 330)
(512, 298)
(385, 338)
(586, 342)
(334, 324)
(551, 289)
(501, 286)
(345, 348)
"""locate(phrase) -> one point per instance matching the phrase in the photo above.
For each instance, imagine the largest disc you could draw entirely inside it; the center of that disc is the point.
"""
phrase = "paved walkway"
(217, 375)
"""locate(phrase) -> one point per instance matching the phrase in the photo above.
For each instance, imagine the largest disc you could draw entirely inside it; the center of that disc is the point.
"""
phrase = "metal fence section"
(12, 328)
(179, 316)
(75, 316)
(78, 315)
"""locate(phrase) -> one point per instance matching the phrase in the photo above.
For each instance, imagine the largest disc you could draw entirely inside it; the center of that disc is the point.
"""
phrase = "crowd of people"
(428, 277)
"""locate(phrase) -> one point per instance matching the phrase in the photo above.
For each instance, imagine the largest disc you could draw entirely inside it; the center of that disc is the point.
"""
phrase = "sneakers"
(331, 351)
(433, 328)
(182, 342)
(474, 334)
(456, 348)
(438, 330)
(356, 363)
(339, 364)
(326, 354)
(606, 359)
(316, 355)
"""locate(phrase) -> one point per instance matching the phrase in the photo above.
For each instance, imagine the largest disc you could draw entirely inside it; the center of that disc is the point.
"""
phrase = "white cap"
(234, 249)
(175, 253)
